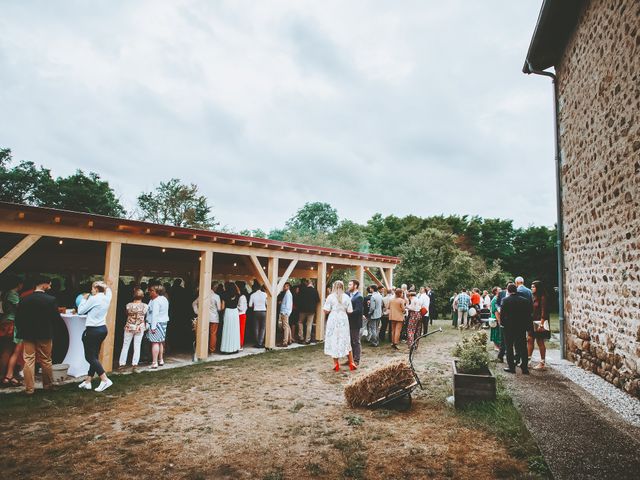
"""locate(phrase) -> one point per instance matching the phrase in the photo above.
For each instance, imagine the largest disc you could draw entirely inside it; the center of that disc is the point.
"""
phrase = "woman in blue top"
(95, 306)
(157, 318)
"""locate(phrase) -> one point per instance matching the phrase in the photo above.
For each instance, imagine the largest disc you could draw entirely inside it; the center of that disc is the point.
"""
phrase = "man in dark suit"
(433, 313)
(355, 319)
(515, 317)
(35, 318)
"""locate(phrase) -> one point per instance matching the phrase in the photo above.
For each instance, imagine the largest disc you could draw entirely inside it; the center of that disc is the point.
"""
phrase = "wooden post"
(204, 302)
(111, 275)
(391, 277)
(272, 303)
(360, 277)
(322, 289)
(21, 247)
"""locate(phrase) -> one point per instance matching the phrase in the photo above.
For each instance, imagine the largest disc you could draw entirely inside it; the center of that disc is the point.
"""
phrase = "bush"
(472, 354)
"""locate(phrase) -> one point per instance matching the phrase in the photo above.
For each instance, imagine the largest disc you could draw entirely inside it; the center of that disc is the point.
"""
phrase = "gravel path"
(567, 411)
(620, 402)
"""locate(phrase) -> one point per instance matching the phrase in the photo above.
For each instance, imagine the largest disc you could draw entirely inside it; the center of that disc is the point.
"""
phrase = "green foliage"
(432, 258)
(175, 203)
(354, 420)
(314, 217)
(25, 183)
(257, 233)
(503, 419)
(88, 193)
(350, 236)
(472, 354)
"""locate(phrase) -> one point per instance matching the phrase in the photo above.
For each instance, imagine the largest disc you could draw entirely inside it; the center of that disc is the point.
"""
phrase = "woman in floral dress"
(337, 341)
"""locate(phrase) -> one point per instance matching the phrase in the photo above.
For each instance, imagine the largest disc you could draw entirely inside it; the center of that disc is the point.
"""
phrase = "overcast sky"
(373, 106)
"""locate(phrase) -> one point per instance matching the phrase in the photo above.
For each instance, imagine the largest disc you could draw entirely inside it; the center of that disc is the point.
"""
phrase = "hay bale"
(378, 384)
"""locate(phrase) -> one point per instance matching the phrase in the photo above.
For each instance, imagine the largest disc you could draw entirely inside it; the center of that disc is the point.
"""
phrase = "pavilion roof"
(93, 221)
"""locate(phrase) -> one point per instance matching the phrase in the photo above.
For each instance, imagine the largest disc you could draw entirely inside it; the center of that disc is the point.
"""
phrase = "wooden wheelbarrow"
(400, 398)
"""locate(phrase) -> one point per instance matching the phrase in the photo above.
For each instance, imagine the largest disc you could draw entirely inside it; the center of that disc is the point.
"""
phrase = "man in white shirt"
(286, 307)
(214, 318)
(258, 301)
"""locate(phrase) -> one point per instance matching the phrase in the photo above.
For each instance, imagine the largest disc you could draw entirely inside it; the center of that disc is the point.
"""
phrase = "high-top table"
(78, 366)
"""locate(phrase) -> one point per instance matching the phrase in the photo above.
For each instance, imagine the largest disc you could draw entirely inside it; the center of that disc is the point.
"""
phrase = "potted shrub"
(472, 379)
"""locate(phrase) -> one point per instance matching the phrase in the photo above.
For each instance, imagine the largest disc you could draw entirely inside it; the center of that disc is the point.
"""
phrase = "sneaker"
(85, 385)
(104, 385)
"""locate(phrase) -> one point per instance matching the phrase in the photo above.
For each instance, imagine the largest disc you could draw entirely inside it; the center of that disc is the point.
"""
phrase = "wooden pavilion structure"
(36, 239)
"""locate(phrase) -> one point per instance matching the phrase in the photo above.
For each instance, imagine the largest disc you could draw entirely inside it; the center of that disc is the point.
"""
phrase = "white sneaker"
(85, 385)
(104, 385)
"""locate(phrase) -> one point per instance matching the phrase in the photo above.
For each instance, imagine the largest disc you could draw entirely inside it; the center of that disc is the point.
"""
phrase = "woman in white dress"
(337, 341)
(230, 342)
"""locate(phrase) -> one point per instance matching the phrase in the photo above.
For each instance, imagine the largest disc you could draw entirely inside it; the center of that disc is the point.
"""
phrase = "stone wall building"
(594, 47)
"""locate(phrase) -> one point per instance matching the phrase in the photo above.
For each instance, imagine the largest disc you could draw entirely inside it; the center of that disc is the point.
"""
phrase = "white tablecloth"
(78, 366)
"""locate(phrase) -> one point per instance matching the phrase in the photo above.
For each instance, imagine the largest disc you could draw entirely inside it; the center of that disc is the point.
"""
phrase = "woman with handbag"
(424, 299)
(541, 329)
(8, 331)
(415, 318)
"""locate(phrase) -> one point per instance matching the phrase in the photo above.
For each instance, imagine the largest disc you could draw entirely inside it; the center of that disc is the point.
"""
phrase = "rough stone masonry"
(599, 114)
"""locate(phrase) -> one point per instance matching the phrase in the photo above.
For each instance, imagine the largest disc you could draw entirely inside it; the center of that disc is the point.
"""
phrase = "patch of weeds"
(503, 419)
(315, 470)
(448, 469)
(356, 464)
(296, 407)
(539, 466)
(277, 474)
(354, 456)
(354, 420)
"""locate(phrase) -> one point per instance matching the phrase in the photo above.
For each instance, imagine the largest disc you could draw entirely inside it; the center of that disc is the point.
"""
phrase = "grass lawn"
(278, 415)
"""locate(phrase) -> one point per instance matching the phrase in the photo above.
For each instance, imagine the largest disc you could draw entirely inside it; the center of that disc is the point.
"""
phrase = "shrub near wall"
(599, 100)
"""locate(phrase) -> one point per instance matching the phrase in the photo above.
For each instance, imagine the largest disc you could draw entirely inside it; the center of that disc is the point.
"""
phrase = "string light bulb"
(164, 250)
(60, 242)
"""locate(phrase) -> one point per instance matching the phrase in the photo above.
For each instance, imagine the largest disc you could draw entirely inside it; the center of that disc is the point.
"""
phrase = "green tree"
(31, 185)
(277, 234)
(432, 257)
(495, 241)
(350, 235)
(87, 193)
(24, 183)
(175, 203)
(314, 217)
(256, 233)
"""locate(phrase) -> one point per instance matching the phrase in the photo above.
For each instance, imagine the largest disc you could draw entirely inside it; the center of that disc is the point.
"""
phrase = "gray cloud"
(399, 107)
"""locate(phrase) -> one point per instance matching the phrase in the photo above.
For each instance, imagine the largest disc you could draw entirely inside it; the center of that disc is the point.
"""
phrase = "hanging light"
(60, 242)
(164, 250)
(235, 264)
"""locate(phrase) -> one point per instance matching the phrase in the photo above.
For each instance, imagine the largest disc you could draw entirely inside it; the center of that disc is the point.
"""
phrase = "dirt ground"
(279, 415)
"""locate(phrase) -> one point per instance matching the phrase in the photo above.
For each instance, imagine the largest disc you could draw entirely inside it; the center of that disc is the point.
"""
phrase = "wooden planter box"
(472, 388)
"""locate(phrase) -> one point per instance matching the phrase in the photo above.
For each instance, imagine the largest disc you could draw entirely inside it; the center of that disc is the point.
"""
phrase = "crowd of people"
(517, 316)
(399, 314)
(151, 317)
